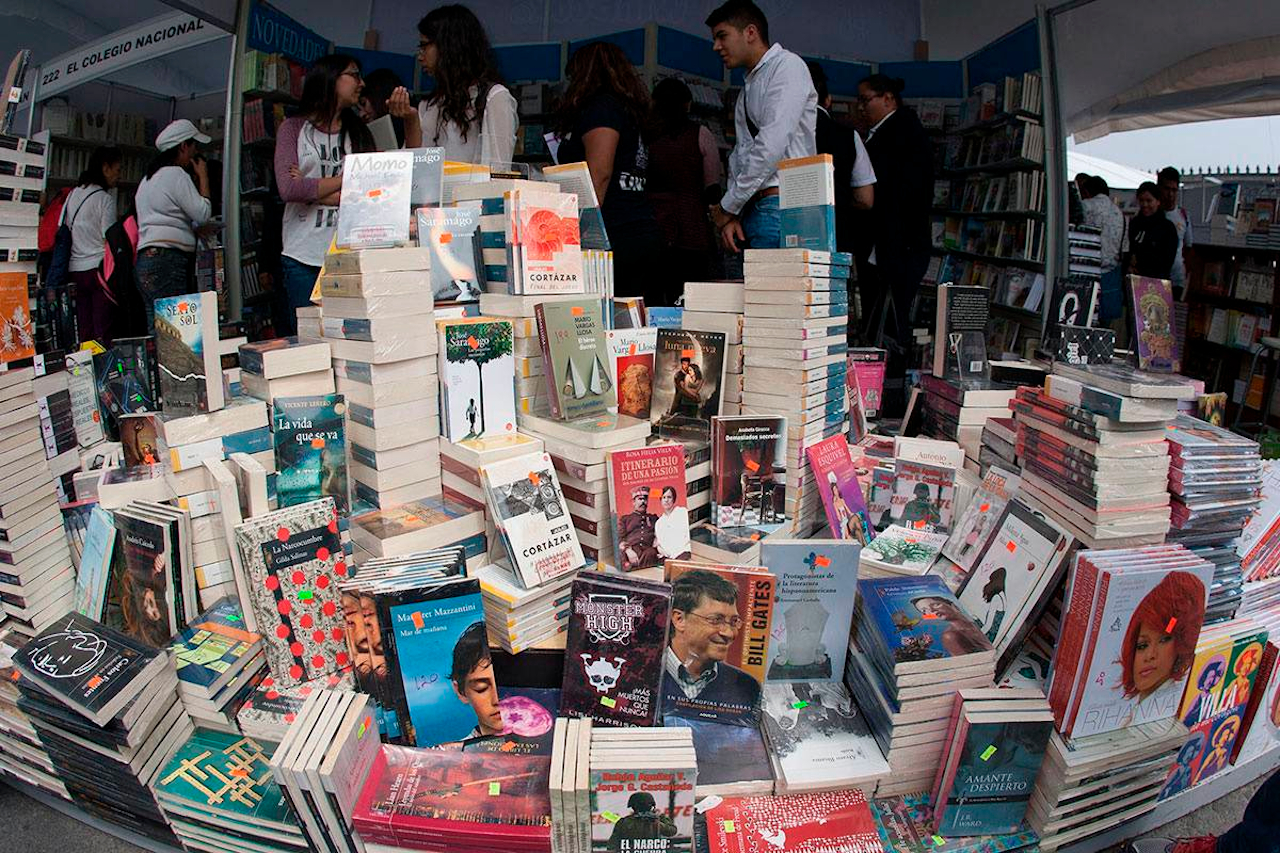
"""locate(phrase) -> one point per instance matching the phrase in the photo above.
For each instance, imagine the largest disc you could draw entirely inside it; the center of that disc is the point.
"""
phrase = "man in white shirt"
(774, 120)
(1170, 179)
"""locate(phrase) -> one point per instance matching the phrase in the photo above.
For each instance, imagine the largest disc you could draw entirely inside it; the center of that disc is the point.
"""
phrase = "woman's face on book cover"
(1153, 658)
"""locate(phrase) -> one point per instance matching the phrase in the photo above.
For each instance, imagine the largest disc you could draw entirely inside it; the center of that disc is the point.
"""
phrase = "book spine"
(939, 798)
(548, 369)
(1086, 659)
(1071, 637)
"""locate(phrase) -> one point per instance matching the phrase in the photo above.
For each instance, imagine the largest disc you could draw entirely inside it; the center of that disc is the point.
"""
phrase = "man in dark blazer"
(854, 175)
(706, 617)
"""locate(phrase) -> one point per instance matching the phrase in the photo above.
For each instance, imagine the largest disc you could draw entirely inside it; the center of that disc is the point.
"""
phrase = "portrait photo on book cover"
(529, 495)
(941, 621)
(646, 538)
(686, 381)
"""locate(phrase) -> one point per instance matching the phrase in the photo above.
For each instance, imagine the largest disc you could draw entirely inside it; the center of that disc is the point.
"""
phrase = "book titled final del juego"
(311, 449)
(532, 517)
(187, 353)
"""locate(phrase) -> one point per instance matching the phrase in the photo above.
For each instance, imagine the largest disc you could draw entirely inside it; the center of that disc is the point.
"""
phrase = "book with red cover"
(650, 505)
(841, 493)
(804, 823)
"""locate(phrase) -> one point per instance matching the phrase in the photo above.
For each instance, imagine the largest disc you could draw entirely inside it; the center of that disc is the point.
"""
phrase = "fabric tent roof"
(1117, 175)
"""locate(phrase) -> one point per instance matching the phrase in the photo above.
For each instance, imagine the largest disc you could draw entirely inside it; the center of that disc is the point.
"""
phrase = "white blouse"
(492, 146)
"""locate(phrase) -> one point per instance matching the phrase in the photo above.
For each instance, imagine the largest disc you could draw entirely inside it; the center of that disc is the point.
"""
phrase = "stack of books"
(999, 444)
(833, 820)
(1122, 602)
(219, 664)
(818, 739)
(383, 359)
(520, 618)
(569, 784)
(718, 306)
(420, 525)
(659, 762)
(106, 708)
(1215, 478)
(528, 364)
(271, 708)
(245, 803)
(794, 349)
(959, 409)
(460, 464)
(52, 390)
(22, 755)
(321, 764)
(1258, 555)
(494, 223)
(287, 367)
(914, 646)
(37, 581)
(1088, 785)
(1092, 444)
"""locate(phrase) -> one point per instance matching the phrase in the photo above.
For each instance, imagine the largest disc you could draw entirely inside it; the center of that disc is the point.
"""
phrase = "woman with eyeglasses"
(310, 148)
(470, 113)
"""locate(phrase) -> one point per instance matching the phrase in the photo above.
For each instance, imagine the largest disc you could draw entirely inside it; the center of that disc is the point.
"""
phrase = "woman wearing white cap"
(170, 208)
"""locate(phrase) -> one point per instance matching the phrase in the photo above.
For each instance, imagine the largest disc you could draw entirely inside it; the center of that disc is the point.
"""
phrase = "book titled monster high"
(376, 191)
(310, 439)
(187, 353)
(614, 652)
(572, 336)
(813, 606)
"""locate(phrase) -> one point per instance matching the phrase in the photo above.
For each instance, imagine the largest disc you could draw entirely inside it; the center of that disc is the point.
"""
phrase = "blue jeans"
(161, 271)
(762, 223)
(299, 281)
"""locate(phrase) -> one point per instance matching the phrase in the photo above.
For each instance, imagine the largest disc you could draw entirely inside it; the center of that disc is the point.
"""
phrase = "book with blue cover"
(813, 606)
(806, 203)
(95, 564)
(214, 647)
(311, 449)
(916, 624)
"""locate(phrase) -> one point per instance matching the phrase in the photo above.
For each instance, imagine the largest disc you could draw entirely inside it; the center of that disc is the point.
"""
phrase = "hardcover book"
(749, 471)
(614, 651)
(923, 496)
(813, 602)
(688, 375)
(453, 236)
(631, 360)
(1158, 349)
(572, 338)
(837, 482)
(311, 450)
(650, 505)
(977, 524)
(127, 379)
(721, 618)
(376, 192)
(473, 350)
(187, 353)
(545, 246)
(530, 512)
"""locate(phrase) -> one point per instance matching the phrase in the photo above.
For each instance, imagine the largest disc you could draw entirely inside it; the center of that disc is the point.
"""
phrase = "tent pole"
(1055, 164)
(231, 139)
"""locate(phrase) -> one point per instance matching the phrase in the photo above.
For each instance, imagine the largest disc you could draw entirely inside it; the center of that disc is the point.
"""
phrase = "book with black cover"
(128, 381)
(1074, 302)
(145, 591)
(960, 336)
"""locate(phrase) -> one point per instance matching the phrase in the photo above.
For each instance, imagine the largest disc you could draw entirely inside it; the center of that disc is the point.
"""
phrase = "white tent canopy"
(1117, 175)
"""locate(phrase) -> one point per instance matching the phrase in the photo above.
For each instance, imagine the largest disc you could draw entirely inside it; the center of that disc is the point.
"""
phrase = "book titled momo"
(1154, 324)
(310, 440)
(631, 357)
(837, 483)
(721, 619)
(923, 496)
(531, 515)
(614, 650)
(572, 337)
(688, 376)
(477, 378)
(802, 823)
(292, 560)
(813, 606)
(545, 246)
(650, 505)
(453, 236)
(187, 353)
(748, 470)
(376, 191)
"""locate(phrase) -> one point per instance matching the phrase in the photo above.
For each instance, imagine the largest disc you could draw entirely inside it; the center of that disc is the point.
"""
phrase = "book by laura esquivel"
(631, 354)
(453, 235)
(841, 494)
(477, 376)
(1153, 319)
(688, 375)
(376, 193)
(650, 505)
(186, 351)
(572, 337)
(817, 579)
(311, 449)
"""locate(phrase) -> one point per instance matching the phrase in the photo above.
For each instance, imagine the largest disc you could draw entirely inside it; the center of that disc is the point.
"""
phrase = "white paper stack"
(717, 306)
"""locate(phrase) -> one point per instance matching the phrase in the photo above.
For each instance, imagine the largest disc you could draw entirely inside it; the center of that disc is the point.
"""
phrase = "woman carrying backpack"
(89, 211)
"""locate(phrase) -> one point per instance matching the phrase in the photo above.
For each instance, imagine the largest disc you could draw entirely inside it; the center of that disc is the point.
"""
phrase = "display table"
(71, 810)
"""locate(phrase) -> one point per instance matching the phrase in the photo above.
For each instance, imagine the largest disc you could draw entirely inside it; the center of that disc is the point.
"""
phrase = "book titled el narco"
(187, 353)
(376, 192)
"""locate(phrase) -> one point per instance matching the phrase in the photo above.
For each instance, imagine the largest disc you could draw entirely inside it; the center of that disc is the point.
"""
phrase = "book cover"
(187, 353)
(544, 237)
(749, 471)
(477, 378)
(292, 559)
(902, 551)
(576, 178)
(1158, 348)
(528, 720)
(453, 236)
(17, 334)
(427, 179)
(1260, 729)
(813, 607)
(868, 365)
(83, 392)
(727, 755)
(977, 522)
(373, 211)
(923, 496)
(127, 379)
(650, 505)
(1074, 302)
(806, 202)
(802, 823)
(1080, 345)
(992, 784)
(688, 375)
(629, 312)
(960, 342)
(837, 483)
(529, 510)
(572, 336)
(642, 810)
(246, 791)
(96, 560)
(614, 651)
(905, 824)
(310, 439)
(631, 360)
(918, 619)
(717, 654)
(211, 645)
(819, 737)
(144, 590)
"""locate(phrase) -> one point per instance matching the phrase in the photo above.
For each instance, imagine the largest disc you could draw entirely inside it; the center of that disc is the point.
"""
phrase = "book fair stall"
(492, 556)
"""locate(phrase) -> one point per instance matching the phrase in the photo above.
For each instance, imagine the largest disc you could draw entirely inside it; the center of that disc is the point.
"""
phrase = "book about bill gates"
(615, 649)
(650, 505)
(813, 606)
(572, 337)
(837, 483)
(1154, 324)
(477, 378)
(310, 437)
(187, 353)
(688, 377)
(376, 192)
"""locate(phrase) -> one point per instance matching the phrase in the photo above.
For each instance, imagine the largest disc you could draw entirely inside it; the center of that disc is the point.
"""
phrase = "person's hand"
(295, 172)
(732, 234)
(331, 200)
(201, 168)
(719, 216)
(399, 107)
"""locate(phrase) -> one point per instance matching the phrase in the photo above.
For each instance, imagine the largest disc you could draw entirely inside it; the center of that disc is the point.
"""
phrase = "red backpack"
(48, 232)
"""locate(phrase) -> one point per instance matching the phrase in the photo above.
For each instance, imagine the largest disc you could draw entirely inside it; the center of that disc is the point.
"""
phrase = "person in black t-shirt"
(601, 121)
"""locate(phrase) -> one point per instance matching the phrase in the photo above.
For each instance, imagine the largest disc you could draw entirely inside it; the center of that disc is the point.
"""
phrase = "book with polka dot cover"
(292, 560)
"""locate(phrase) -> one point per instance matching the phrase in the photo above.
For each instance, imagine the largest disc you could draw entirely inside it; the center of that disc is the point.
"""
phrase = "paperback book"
(666, 826)
(902, 551)
(376, 192)
(802, 823)
(477, 378)
(631, 359)
(688, 376)
(923, 496)
(749, 471)
(867, 366)
(1158, 349)
(127, 379)
(311, 450)
(977, 523)
(534, 522)
(917, 620)
(837, 482)
(813, 607)
(545, 249)
(960, 343)
(650, 505)
(819, 739)
(144, 591)
(572, 337)
(453, 236)
(187, 353)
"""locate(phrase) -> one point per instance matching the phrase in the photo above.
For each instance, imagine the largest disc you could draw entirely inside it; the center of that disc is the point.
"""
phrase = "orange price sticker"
(1168, 629)
(631, 350)
(317, 443)
(821, 561)
(577, 310)
(534, 478)
(417, 621)
(446, 237)
(1011, 546)
(751, 465)
(472, 342)
(984, 507)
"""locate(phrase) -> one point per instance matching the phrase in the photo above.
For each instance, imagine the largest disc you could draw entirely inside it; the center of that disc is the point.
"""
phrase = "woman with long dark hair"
(310, 148)
(470, 113)
(602, 121)
(89, 211)
(1153, 239)
(171, 205)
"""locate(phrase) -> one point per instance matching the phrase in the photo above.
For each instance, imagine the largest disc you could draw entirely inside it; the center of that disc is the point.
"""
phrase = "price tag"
(800, 706)
(728, 826)
(495, 788)
(939, 840)
(609, 816)
(608, 701)
(305, 595)
(988, 752)
(1168, 629)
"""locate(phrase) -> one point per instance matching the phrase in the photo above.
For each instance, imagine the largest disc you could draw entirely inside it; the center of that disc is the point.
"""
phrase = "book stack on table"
(660, 761)
(52, 390)
(460, 464)
(794, 336)
(818, 739)
(718, 306)
(106, 708)
(220, 663)
(914, 646)
(286, 367)
(377, 318)
(271, 708)
(518, 618)
(528, 365)
(959, 409)
(22, 755)
(37, 580)
(999, 445)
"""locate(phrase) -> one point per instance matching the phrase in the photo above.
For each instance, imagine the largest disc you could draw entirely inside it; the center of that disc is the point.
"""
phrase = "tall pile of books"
(1092, 445)
(219, 664)
(914, 646)
(375, 311)
(718, 306)
(106, 708)
(271, 708)
(37, 581)
(22, 183)
(658, 761)
(959, 409)
(999, 445)
(52, 390)
(22, 755)
(286, 367)
(796, 308)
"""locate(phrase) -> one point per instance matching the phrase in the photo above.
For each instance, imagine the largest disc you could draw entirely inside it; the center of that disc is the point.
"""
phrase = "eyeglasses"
(733, 622)
(423, 45)
(866, 99)
(355, 75)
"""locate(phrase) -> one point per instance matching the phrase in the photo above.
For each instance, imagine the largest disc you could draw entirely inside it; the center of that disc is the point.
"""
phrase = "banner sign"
(156, 37)
(272, 31)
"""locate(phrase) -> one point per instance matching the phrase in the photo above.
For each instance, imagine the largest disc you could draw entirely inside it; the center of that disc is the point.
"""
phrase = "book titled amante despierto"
(376, 192)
